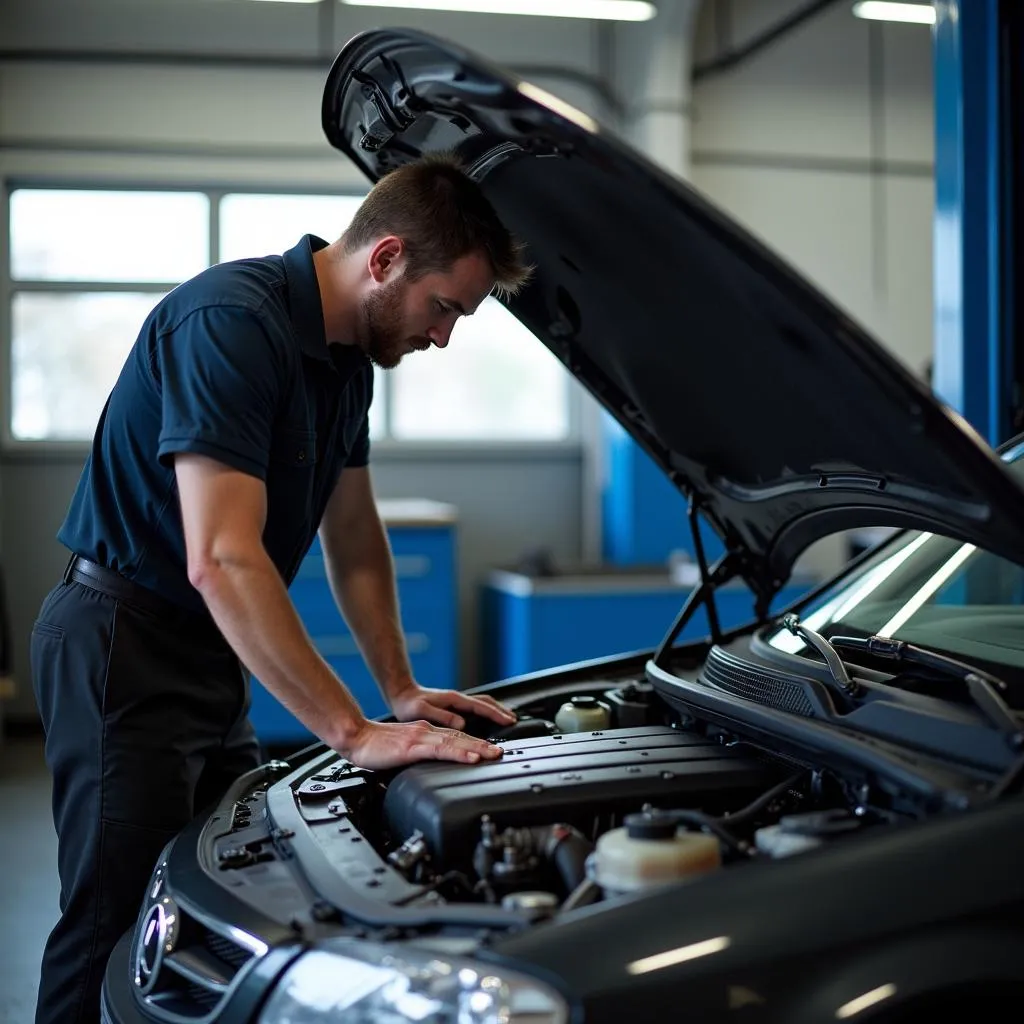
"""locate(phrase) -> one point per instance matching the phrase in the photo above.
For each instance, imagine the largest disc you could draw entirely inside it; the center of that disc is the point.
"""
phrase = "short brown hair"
(441, 215)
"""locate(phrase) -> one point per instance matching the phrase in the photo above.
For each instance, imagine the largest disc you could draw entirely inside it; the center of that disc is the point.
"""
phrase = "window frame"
(386, 446)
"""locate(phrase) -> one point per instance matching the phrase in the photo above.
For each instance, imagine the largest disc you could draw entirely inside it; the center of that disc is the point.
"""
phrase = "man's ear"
(385, 258)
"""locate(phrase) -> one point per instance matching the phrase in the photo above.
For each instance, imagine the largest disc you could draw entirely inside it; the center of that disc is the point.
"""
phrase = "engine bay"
(605, 790)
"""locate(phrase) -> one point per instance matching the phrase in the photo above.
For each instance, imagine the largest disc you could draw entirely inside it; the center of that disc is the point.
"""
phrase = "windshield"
(934, 592)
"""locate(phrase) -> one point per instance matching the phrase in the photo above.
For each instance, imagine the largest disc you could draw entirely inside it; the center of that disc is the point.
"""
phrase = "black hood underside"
(778, 416)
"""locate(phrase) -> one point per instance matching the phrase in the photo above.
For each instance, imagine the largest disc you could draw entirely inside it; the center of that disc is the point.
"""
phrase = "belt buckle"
(69, 567)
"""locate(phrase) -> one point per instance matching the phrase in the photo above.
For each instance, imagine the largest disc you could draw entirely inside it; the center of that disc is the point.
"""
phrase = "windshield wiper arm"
(984, 689)
(840, 676)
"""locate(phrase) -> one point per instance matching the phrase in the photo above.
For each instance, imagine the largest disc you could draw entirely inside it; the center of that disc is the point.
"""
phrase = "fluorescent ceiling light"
(884, 10)
(607, 10)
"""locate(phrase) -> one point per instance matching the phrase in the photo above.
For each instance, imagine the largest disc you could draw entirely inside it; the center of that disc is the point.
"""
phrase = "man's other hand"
(381, 745)
(446, 707)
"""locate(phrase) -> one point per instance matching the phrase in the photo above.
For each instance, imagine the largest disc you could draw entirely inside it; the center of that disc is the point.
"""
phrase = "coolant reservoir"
(583, 714)
(797, 833)
(650, 851)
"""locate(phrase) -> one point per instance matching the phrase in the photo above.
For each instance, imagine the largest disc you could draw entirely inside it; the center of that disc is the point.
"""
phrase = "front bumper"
(119, 1003)
(117, 1000)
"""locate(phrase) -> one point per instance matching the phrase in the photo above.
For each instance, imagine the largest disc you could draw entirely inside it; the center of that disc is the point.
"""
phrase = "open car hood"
(781, 419)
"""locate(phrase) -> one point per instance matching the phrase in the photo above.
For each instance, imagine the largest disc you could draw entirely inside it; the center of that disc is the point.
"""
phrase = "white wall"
(823, 145)
(236, 123)
(833, 175)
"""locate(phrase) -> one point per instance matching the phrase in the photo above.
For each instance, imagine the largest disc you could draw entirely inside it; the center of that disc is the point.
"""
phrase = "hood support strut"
(702, 562)
(725, 569)
(731, 565)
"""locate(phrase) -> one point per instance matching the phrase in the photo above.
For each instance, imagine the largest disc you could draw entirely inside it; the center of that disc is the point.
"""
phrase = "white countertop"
(416, 512)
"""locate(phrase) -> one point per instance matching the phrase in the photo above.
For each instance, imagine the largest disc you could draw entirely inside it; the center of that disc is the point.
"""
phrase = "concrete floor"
(28, 875)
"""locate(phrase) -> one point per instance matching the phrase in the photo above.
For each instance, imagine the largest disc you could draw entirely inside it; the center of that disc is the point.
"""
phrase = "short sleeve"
(359, 456)
(220, 378)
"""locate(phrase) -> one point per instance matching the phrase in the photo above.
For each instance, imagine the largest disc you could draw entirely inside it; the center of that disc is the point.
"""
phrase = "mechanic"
(237, 428)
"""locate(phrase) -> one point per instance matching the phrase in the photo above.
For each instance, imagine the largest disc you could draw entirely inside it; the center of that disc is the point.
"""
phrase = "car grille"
(227, 950)
(729, 673)
(191, 980)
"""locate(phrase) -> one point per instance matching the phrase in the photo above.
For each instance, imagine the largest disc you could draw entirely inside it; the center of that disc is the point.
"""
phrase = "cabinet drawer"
(356, 676)
(274, 724)
(424, 564)
(343, 645)
(425, 573)
(429, 639)
(315, 606)
(418, 565)
(431, 666)
(423, 626)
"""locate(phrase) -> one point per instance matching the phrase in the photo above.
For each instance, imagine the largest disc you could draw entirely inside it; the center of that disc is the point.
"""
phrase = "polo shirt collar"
(305, 308)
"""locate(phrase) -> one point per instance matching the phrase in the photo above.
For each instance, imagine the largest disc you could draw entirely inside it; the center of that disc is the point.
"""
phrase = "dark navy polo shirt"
(234, 365)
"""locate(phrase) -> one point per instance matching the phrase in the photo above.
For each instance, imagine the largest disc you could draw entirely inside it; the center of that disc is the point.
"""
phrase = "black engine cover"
(570, 778)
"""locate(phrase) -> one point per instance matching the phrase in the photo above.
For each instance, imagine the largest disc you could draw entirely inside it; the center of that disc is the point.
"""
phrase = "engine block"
(574, 778)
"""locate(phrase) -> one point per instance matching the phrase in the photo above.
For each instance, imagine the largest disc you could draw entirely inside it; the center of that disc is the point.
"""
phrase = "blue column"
(974, 358)
(644, 516)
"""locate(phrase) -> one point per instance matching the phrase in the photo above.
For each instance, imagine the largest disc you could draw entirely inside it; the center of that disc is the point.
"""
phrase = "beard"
(385, 342)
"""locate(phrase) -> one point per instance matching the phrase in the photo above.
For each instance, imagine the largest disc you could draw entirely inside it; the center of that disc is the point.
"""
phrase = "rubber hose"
(567, 849)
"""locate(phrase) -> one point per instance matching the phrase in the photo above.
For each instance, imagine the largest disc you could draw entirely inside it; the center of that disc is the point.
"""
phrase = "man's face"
(401, 316)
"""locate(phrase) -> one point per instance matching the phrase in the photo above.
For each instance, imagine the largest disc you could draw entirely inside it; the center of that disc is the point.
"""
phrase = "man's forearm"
(362, 577)
(250, 605)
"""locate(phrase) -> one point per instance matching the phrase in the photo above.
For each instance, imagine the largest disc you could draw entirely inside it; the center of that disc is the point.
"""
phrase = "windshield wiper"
(984, 689)
(840, 677)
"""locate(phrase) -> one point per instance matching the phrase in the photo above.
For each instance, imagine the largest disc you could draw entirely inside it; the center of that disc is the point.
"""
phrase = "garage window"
(494, 381)
(85, 267)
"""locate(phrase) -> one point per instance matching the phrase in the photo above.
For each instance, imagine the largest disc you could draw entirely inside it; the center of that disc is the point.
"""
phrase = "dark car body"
(869, 814)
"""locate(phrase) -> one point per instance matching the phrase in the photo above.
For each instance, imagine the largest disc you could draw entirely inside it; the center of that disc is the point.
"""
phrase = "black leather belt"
(106, 581)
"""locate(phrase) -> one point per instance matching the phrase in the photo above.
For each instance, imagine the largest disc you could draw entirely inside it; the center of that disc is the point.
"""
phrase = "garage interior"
(876, 156)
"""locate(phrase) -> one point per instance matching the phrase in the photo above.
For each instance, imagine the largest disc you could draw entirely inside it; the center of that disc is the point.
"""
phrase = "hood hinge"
(383, 116)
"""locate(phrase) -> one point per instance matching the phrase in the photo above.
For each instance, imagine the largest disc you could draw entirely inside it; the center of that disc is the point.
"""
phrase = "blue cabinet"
(422, 536)
(535, 623)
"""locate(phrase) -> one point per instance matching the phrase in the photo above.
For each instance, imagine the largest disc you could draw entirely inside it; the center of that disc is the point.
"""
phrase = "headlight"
(363, 983)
